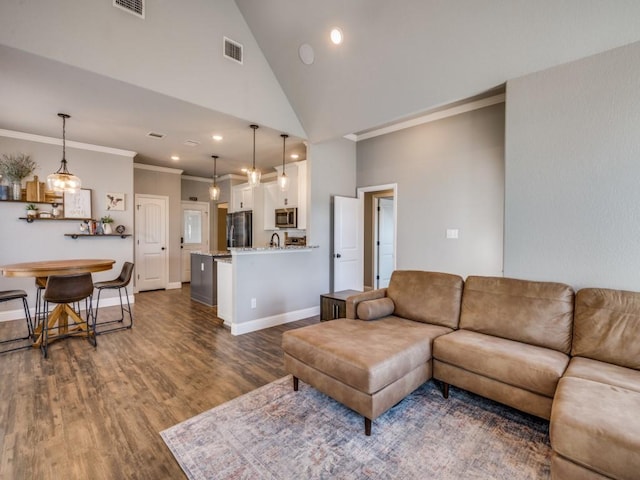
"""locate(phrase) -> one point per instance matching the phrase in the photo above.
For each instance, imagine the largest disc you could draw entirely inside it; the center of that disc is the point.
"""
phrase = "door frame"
(164, 198)
(376, 238)
(380, 188)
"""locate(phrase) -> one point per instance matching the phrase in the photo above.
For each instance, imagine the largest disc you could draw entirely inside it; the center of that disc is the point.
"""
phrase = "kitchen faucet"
(275, 244)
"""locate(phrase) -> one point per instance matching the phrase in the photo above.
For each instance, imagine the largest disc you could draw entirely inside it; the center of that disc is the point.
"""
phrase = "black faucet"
(277, 243)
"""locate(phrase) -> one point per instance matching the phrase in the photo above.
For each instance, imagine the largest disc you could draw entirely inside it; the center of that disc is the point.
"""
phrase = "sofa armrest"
(353, 301)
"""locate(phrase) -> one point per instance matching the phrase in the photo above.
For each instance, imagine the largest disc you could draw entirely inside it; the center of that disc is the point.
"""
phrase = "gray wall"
(44, 240)
(573, 172)
(164, 183)
(450, 174)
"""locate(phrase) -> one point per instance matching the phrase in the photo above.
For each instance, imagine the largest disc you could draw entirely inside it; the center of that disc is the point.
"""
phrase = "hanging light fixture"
(62, 180)
(214, 189)
(283, 181)
(253, 175)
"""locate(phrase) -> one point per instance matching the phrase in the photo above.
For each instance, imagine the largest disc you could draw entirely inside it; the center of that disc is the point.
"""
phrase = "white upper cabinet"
(295, 196)
(241, 198)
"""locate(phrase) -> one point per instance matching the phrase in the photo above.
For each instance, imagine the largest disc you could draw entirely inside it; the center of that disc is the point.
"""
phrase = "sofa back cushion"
(537, 313)
(428, 297)
(607, 326)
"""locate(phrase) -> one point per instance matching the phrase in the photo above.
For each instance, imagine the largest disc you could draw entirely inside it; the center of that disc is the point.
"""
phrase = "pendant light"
(253, 175)
(214, 189)
(62, 180)
(283, 181)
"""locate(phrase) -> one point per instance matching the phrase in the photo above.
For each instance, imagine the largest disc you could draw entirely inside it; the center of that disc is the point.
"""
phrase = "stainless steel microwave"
(287, 217)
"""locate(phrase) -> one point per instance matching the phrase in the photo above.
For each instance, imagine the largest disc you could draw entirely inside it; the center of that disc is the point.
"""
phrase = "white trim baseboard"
(274, 320)
(174, 285)
(18, 314)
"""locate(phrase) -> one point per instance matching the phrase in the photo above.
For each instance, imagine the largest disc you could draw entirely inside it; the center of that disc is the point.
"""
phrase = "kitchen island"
(204, 276)
(265, 286)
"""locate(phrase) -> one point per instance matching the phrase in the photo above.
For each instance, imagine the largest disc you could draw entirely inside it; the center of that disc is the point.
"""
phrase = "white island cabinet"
(252, 295)
(225, 291)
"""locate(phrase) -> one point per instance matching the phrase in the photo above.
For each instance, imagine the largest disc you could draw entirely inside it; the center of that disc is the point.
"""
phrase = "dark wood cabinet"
(334, 305)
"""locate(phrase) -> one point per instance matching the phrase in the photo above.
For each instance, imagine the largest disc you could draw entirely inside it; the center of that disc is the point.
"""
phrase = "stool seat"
(7, 295)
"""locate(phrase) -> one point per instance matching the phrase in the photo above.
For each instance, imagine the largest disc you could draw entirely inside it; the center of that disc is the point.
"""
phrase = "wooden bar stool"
(64, 290)
(7, 296)
(119, 284)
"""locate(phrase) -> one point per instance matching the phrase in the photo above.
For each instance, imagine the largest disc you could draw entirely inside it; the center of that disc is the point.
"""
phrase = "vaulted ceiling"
(120, 77)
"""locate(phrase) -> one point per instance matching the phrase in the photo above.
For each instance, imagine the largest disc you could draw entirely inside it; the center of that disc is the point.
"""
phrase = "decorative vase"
(16, 190)
(32, 213)
(106, 229)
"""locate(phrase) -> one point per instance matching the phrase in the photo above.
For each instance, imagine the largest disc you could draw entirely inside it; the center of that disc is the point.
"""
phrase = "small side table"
(333, 305)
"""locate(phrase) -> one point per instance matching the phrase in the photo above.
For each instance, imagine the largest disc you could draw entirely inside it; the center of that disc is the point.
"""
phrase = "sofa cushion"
(364, 355)
(607, 326)
(537, 313)
(525, 366)
(603, 372)
(597, 426)
(428, 297)
(373, 309)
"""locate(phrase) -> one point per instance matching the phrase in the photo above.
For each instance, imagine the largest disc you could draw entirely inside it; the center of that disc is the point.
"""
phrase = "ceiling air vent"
(155, 135)
(135, 7)
(232, 50)
(191, 143)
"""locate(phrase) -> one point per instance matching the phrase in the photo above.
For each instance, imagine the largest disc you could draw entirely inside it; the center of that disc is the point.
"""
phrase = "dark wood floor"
(97, 414)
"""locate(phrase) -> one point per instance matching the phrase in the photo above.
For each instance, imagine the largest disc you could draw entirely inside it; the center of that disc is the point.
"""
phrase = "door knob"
(162, 248)
(338, 255)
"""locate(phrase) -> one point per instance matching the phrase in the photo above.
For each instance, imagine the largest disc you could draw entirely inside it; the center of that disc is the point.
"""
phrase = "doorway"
(195, 233)
(379, 235)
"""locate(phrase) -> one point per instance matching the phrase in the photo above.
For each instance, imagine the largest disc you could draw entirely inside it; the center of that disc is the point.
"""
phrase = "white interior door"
(152, 256)
(348, 247)
(384, 245)
(195, 233)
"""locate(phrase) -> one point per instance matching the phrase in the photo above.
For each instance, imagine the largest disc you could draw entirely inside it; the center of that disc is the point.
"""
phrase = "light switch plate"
(452, 233)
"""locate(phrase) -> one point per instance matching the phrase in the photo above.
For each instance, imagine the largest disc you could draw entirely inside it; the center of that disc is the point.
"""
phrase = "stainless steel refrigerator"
(239, 229)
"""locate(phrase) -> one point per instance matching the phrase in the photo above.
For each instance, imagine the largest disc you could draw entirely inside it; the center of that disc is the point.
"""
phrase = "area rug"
(276, 433)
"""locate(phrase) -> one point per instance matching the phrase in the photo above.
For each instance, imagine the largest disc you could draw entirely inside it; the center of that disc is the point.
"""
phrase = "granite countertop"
(273, 249)
(216, 253)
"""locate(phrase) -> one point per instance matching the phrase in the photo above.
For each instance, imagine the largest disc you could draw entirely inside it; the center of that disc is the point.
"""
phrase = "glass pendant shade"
(62, 180)
(283, 181)
(214, 189)
(253, 174)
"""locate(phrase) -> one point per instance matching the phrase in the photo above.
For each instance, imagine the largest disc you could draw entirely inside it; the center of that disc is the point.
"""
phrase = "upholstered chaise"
(513, 343)
(372, 361)
(595, 421)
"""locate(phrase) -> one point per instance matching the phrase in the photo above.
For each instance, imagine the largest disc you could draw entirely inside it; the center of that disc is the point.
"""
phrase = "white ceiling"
(399, 59)
(116, 114)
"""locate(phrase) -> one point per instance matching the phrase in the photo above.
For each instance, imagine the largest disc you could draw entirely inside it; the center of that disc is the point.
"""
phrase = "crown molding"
(143, 166)
(58, 141)
(431, 117)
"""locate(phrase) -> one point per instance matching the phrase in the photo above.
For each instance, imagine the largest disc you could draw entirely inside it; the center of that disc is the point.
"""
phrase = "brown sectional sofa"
(595, 421)
(518, 342)
(513, 343)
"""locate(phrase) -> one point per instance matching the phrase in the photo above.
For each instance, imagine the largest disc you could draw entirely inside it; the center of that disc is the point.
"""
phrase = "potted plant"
(106, 224)
(32, 210)
(16, 167)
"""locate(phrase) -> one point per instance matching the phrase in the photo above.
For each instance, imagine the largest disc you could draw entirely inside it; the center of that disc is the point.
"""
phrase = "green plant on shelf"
(17, 166)
(31, 206)
(106, 219)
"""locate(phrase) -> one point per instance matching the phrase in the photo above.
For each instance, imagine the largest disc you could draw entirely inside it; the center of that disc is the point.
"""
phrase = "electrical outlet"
(452, 233)
(253, 303)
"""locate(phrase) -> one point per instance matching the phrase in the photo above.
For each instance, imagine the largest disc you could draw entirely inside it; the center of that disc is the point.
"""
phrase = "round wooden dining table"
(60, 314)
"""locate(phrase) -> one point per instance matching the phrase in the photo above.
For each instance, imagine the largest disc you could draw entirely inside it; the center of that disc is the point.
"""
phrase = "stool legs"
(30, 331)
(123, 309)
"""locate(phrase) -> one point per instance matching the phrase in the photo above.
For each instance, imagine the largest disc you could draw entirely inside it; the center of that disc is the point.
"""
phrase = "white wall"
(176, 50)
(450, 175)
(44, 240)
(573, 172)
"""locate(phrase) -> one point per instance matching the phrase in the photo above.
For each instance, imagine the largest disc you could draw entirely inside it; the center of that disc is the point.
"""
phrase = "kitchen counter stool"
(119, 284)
(7, 296)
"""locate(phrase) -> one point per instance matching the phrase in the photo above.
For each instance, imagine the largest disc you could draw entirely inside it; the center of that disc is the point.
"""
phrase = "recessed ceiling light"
(295, 156)
(217, 138)
(175, 157)
(336, 36)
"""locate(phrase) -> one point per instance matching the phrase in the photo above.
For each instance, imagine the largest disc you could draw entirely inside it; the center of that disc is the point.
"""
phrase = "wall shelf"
(58, 202)
(37, 219)
(85, 235)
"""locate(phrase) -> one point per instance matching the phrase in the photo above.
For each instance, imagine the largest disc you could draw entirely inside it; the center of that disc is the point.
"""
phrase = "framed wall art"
(115, 201)
(78, 205)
